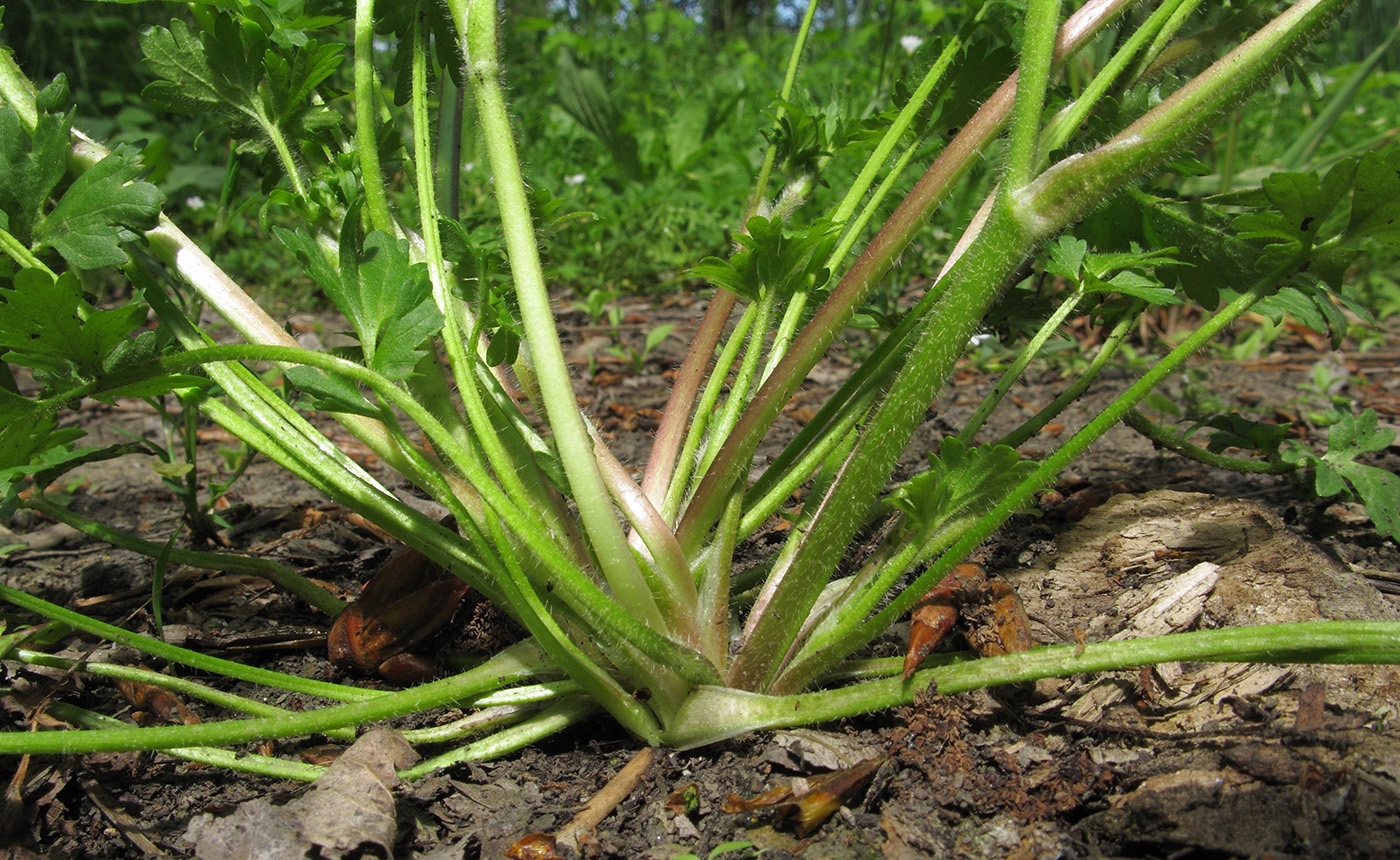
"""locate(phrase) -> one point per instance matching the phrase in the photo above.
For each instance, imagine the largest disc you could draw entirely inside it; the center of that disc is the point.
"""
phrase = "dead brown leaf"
(533, 846)
(348, 812)
(807, 803)
(157, 704)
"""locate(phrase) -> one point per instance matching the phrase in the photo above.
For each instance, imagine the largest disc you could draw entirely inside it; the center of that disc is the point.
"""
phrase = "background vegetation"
(641, 118)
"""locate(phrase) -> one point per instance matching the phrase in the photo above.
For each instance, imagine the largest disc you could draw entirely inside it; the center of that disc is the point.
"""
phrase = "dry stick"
(120, 820)
(606, 800)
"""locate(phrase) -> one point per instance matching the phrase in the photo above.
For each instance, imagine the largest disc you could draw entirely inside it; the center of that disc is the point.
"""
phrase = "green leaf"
(31, 166)
(1310, 305)
(397, 312)
(155, 387)
(959, 483)
(233, 71)
(1337, 471)
(387, 299)
(1375, 207)
(329, 393)
(1236, 431)
(49, 456)
(1210, 258)
(205, 72)
(1302, 205)
(773, 258)
(1067, 258)
(1136, 285)
(583, 96)
(686, 132)
(46, 324)
(657, 335)
(1131, 273)
(292, 82)
(105, 206)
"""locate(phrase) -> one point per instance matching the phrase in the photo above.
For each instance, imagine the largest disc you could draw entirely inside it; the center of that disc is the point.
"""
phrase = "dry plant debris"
(348, 812)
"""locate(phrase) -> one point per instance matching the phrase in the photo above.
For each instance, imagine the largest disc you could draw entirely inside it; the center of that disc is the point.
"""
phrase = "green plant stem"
(1178, 444)
(183, 686)
(1168, 32)
(15, 250)
(1042, 18)
(476, 25)
(659, 480)
(507, 470)
(760, 189)
(553, 720)
(291, 433)
(267, 423)
(714, 386)
(656, 536)
(829, 523)
(17, 91)
(740, 386)
(430, 537)
(1186, 113)
(1016, 438)
(515, 664)
(715, 713)
(240, 762)
(852, 231)
(597, 682)
(1067, 122)
(678, 406)
(366, 137)
(759, 506)
(184, 656)
(278, 574)
(822, 652)
(956, 159)
(1017, 220)
(1008, 379)
(426, 535)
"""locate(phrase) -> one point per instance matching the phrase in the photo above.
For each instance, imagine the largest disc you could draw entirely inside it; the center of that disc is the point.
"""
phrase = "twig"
(124, 823)
(606, 800)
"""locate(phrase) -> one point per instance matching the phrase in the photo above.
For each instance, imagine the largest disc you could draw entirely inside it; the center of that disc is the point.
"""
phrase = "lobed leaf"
(204, 72)
(1337, 472)
(960, 482)
(32, 165)
(46, 324)
(104, 207)
(1236, 431)
(1375, 208)
(773, 258)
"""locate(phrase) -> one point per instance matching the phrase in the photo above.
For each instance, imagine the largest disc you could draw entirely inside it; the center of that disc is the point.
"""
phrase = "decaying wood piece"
(1169, 562)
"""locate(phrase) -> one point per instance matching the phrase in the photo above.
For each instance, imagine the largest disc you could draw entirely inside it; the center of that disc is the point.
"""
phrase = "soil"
(1177, 761)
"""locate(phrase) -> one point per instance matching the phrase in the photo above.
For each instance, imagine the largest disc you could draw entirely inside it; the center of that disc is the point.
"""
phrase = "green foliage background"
(642, 119)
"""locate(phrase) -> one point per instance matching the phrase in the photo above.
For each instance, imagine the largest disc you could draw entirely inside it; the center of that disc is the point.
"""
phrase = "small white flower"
(910, 43)
(978, 339)
(194, 201)
(576, 179)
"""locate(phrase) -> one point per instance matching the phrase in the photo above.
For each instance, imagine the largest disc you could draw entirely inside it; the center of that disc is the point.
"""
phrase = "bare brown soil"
(1178, 761)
